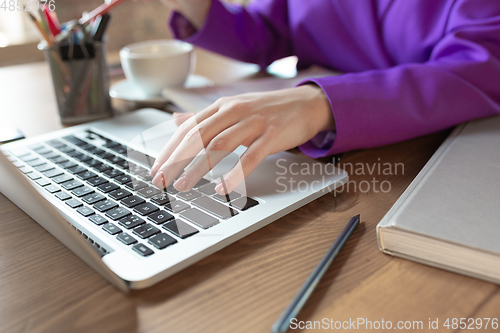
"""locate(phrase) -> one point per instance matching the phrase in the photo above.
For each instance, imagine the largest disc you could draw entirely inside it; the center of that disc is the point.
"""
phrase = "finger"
(221, 145)
(178, 136)
(193, 142)
(180, 117)
(255, 154)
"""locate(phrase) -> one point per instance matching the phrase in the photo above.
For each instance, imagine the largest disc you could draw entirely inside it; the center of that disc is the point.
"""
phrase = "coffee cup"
(157, 64)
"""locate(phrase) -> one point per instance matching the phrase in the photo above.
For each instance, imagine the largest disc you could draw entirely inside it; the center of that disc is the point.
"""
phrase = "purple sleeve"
(460, 82)
(258, 33)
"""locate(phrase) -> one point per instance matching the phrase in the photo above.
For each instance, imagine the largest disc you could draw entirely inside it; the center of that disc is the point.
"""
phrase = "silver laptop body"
(171, 238)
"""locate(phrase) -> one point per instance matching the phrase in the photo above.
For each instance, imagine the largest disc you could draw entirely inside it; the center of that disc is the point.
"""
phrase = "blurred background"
(131, 21)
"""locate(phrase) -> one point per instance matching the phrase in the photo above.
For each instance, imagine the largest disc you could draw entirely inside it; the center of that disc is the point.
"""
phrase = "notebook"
(449, 216)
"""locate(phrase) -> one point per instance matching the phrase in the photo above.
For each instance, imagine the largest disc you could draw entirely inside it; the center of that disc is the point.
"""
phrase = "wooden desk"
(245, 286)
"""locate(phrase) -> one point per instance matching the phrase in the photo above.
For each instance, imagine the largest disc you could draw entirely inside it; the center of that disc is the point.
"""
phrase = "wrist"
(320, 106)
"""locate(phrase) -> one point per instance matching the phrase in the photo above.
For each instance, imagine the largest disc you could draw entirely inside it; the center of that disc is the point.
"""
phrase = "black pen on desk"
(283, 323)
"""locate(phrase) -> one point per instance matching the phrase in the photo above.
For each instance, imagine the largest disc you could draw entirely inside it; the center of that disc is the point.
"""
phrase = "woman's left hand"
(265, 122)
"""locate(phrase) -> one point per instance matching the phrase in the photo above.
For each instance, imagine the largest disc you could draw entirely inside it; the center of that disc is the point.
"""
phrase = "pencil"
(102, 9)
(42, 33)
(283, 323)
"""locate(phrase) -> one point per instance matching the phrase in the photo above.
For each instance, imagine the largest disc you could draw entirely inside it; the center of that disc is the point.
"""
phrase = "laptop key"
(62, 178)
(59, 159)
(145, 231)
(44, 167)
(82, 191)
(180, 229)
(74, 140)
(86, 175)
(98, 219)
(29, 157)
(244, 203)
(92, 162)
(93, 198)
(117, 213)
(63, 196)
(123, 164)
(73, 203)
(107, 187)
(34, 175)
(142, 249)
(208, 189)
(145, 209)
(201, 182)
(25, 170)
(123, 179)
(136, 185)
(111, 228)
(96, 181)
(161, 241)
(83, 157)
(214, 207)
(177, 206)
(36, 146)
(105, 205)
(228, 197)
(131, 221)
(112, 173)
(85, 211)
(171, 189)
(55, 143)
(77, 169)
(68, 164)
(53, 173)
(110, 143)
(149, 191)
(160, 217)
(161, 199)
(43, 182)
(102, 167)
(119, 194)
(52, 188)
(72, 184)
(199, 218)
(126, 239)
(36, 162)
(132, 201)
(188, 196)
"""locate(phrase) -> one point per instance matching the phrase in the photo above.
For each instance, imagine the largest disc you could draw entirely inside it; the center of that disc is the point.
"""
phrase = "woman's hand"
(266, 123)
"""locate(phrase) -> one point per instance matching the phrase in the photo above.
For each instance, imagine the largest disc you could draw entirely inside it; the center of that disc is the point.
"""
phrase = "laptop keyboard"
(110, 186)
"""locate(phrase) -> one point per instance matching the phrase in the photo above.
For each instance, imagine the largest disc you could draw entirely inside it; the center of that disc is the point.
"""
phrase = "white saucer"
(127, 91)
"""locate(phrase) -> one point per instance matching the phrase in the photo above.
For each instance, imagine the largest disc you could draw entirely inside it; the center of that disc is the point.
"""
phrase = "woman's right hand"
(194, 10)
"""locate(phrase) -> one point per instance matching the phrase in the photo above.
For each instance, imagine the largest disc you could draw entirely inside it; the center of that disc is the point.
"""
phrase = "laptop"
(89, 186)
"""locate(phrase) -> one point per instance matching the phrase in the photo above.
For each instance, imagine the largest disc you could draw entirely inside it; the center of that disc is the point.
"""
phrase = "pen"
(102, 9)
(282, 324)
(99, 27)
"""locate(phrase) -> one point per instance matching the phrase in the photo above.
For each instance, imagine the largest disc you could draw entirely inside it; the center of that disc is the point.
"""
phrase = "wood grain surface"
(245, 286)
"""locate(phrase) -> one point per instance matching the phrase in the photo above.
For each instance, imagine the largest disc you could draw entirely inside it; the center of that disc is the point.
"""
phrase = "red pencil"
(52, 22)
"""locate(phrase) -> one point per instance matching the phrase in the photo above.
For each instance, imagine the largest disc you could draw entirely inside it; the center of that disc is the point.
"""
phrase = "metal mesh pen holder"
(81, 83)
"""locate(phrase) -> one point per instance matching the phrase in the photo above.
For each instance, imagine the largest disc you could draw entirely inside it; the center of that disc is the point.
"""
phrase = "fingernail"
(219, 189)
(180, 184)
(159, 180)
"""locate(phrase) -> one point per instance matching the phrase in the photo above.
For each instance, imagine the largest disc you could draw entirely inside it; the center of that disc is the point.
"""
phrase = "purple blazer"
(412, 66)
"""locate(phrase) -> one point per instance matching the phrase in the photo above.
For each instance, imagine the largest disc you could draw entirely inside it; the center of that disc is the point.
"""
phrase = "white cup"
(157, 64)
